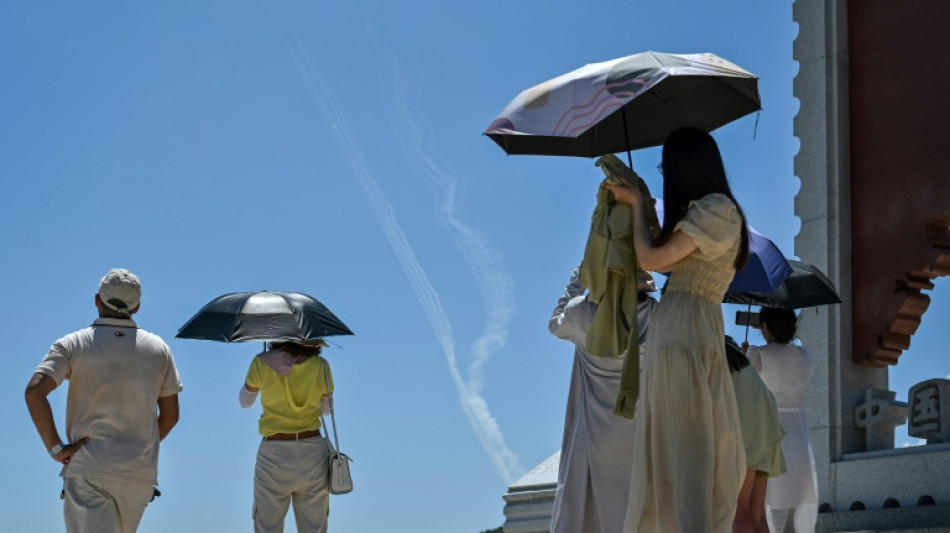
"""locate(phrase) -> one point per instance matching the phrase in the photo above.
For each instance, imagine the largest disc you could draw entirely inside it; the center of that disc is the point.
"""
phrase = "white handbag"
(340, 480)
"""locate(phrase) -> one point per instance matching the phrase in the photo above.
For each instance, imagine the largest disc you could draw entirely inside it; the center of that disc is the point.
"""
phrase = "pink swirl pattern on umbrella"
(603, 103)
(564, 114)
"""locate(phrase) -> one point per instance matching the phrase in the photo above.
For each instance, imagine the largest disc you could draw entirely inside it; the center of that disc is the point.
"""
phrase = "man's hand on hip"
(69, 450)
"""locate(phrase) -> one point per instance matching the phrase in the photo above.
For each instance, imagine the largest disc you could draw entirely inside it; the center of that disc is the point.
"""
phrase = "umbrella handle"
(626, 136)
(748, 310)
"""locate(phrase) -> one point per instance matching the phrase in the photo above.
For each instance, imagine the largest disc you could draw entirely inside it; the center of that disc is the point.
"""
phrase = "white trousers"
(96, 505)
(292, 472)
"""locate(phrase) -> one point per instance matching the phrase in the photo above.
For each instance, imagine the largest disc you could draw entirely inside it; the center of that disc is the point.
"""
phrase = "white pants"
(96, 505)
(297, 472)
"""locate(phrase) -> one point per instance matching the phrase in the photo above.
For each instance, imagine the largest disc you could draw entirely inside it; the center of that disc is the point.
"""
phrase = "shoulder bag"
(340, 480)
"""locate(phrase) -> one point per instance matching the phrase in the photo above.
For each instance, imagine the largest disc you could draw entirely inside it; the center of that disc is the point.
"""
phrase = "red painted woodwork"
(899, 85)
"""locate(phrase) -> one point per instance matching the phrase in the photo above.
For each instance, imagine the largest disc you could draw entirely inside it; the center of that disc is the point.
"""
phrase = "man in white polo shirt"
(122, 400)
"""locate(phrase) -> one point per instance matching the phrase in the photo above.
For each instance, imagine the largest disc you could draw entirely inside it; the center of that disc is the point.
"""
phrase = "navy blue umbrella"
(767, 267)
(807, 286)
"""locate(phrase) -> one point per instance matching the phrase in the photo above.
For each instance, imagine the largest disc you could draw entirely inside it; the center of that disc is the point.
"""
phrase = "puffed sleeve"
(714, 224)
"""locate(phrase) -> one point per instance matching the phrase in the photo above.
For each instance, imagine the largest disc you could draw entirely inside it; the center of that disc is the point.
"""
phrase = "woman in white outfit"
(792, 499)
(597, 450)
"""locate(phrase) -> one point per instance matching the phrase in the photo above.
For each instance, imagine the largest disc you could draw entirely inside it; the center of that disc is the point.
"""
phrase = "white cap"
(120, 290)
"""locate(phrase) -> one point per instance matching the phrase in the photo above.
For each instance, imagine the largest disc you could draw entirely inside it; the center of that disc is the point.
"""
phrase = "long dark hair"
(734, 356)
(692, 168)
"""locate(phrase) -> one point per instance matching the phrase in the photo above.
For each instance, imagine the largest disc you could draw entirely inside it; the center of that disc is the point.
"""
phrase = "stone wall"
(899, 490)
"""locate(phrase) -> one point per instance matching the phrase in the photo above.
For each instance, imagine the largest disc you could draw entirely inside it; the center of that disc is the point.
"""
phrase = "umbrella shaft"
(748, 310)
(626, 137)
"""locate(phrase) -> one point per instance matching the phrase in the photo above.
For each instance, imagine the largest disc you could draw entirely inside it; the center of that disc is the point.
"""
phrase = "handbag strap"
(323, 420)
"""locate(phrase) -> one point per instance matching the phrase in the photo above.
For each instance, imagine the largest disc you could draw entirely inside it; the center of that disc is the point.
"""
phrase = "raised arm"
(650, 257)
(559, 325)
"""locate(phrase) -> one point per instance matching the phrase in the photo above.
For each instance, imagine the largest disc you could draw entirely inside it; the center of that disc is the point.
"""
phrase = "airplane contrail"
(494, 283)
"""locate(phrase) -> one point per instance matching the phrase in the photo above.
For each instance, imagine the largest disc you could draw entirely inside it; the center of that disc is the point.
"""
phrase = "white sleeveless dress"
(786, 369)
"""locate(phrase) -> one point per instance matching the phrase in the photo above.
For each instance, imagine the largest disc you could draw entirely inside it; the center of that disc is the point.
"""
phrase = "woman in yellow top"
(293, 458)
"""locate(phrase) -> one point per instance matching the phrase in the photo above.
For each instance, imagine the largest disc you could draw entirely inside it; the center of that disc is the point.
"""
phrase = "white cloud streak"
(493, 281)
(486, 263)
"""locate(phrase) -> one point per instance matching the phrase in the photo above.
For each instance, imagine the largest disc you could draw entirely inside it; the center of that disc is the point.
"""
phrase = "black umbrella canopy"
(806, 286)
(263, 316)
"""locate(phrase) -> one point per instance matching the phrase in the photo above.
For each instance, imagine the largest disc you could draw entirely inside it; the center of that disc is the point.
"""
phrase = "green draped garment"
(610, 273)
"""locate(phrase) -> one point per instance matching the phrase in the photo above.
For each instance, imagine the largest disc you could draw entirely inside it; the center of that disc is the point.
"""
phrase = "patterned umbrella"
(263, 316)
(625, 104)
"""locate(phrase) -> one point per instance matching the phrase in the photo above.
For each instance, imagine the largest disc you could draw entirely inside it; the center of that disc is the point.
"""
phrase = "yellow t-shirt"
(291, 403)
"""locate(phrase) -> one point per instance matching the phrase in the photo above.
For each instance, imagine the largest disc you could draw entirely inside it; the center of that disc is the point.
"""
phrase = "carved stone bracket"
(913, 304)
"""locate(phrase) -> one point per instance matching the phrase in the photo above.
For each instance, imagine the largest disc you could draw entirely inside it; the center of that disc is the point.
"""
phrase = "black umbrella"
(263, 316)
(806, 286)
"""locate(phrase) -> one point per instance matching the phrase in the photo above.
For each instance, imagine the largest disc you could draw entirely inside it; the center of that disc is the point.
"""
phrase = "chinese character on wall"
(929, 411)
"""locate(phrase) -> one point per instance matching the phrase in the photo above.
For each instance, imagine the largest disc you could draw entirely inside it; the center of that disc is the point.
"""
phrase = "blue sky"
(336, 149)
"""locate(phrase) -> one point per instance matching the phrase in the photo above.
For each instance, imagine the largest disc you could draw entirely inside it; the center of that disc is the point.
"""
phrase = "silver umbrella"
(263, 316)
(625, 104)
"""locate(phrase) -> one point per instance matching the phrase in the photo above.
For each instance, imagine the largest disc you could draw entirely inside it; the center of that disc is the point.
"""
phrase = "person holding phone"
(689, 461)
(792, 499)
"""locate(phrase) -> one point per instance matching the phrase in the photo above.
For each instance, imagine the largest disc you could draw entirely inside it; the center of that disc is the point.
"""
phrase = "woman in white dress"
(792, 499)
(688, 456)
